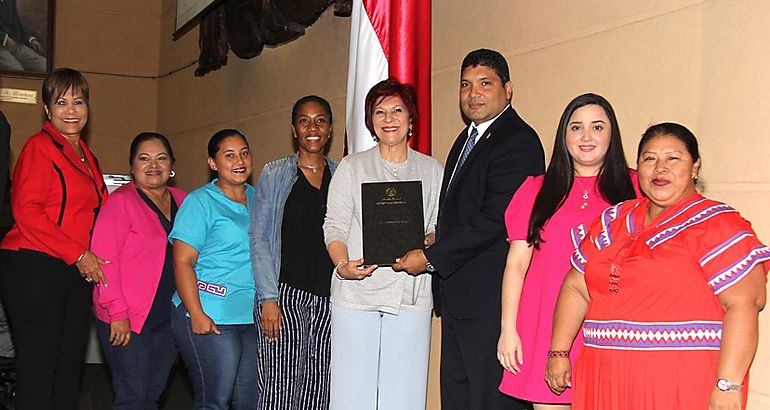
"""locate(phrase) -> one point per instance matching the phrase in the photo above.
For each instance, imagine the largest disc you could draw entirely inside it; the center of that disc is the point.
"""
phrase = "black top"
(6, 222)
(160, 311)
(305, 264)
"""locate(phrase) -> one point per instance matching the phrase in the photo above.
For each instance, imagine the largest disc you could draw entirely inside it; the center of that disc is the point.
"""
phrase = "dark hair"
(308, 99)
(58, 81)
(488, 58)
(613, 179)
(675, 130)
(216, 140)
(147, 136)
(390, 87)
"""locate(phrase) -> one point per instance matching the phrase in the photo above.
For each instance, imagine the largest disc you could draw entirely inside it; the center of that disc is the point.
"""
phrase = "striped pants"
(293, 370)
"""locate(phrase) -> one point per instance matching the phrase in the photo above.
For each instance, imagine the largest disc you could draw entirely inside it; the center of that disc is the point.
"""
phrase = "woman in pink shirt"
(545, 220)
(133, 304)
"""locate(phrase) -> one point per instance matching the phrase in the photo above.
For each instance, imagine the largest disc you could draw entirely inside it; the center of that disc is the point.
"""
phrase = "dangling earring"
(409, 134)
(172, 174)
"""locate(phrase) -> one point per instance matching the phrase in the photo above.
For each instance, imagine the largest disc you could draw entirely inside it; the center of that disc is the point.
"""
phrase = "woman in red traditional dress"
(667, 288)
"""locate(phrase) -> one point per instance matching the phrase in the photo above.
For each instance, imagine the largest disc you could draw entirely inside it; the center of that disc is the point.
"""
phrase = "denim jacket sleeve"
(261, 232)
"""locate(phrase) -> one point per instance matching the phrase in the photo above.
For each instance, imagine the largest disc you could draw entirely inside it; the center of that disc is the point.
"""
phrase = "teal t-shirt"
(218, 229)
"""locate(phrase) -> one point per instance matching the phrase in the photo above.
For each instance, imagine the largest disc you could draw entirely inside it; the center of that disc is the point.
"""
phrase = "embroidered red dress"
(653, 327)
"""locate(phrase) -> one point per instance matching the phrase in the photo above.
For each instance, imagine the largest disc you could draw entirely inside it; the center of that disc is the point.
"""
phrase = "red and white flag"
(388, 38)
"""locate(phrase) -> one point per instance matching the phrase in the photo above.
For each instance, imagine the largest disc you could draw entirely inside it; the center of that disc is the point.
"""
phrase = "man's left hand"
(413, 262)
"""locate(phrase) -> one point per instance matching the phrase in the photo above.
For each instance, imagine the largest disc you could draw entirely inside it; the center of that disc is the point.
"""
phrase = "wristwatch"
(429, 266)
(727, 385)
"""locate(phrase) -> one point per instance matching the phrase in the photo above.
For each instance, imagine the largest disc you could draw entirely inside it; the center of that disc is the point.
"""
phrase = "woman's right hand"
(89, 266)
(558, 372)
(202, 324)
(509, 351)
(270, 318)
(351, 270)
(120, 332)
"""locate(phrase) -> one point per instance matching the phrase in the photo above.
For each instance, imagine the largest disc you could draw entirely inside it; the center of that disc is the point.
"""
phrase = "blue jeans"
(221, 367)
(140, 369)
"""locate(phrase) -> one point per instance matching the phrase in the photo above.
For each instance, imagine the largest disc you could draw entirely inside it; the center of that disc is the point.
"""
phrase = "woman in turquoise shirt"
(213, 324)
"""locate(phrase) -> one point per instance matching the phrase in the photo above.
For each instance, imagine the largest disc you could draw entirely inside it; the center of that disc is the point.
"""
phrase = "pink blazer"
(129, 235)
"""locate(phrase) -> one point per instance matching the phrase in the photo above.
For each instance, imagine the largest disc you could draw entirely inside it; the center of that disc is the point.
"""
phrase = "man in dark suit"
(6, 221)
(5, 183)
(486, 165)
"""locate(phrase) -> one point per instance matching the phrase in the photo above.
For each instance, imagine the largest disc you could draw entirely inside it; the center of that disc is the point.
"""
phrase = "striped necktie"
(469, 144)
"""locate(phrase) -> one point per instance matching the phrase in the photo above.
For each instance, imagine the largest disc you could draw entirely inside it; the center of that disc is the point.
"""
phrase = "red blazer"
(53, 197)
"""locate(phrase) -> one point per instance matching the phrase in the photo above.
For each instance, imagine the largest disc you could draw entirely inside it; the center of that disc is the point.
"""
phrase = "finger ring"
(89, 279)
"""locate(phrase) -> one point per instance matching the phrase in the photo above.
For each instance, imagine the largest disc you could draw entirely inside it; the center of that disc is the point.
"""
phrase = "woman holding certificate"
(380, 318)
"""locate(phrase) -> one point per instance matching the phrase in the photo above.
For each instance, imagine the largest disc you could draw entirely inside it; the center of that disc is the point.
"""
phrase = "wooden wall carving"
(247, 26)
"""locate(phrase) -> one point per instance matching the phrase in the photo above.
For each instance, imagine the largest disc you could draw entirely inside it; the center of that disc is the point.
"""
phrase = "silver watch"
(727, 385)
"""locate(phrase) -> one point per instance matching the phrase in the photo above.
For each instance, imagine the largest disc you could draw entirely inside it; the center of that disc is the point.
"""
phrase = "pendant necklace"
(584, 205)
(81, 154)
(393, 168)
(313, 168)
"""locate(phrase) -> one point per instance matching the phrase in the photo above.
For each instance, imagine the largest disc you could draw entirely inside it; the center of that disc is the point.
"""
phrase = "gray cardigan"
(385, 290)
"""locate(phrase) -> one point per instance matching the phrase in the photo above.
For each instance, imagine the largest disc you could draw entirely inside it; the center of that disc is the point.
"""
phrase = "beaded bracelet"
(558, 353)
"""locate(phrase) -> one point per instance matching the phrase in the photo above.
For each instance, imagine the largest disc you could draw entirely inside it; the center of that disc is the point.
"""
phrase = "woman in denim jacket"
(292, 268)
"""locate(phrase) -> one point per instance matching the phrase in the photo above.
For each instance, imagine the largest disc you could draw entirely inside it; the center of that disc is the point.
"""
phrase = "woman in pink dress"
(545, 220)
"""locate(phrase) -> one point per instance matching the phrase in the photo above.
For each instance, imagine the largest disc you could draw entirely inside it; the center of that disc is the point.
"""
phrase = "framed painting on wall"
(26, 37)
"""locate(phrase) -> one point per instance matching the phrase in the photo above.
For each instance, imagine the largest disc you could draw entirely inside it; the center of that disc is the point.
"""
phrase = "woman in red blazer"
(48, 272)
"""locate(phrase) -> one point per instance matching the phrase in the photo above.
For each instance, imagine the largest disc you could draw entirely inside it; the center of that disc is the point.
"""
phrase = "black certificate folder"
(393, 220)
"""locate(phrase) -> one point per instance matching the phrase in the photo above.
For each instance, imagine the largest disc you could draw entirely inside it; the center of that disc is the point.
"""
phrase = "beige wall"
(698, 62)
(114, 44)
(701, 63)
(254, 96)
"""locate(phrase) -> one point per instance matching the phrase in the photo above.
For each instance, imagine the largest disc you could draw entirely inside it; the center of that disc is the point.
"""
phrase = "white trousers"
(379, 360)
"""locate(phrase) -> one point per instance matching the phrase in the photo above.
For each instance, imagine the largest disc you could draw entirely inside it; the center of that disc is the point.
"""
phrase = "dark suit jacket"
(471, 247)
(5, 150)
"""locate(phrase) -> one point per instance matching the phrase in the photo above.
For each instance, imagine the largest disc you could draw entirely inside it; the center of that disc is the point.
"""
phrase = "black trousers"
(470, 373)
(48, 306)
